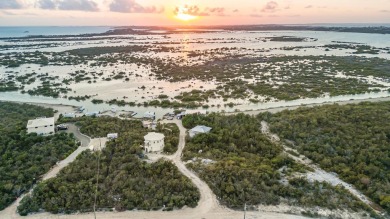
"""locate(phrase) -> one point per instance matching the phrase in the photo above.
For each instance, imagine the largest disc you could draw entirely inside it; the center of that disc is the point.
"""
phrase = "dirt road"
(10, 211)
(207, 208)
(208, 201)
(318, 174)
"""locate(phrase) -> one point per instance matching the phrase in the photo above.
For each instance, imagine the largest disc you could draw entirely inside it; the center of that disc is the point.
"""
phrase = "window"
(36, 127)
(45, 126)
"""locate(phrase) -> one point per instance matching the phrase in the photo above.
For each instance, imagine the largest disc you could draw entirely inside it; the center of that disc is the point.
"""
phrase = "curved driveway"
(10, 211)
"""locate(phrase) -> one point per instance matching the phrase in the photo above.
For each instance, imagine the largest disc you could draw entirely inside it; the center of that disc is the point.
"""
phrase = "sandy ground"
(318, 174)
(278, 109)
(97, 144)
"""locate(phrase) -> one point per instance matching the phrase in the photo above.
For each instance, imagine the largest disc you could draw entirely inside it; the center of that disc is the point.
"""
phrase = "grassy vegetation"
(126, 181)
(249, 168)
(25, 157)
(352, 141)
(303, 76)
(8, 86)
(48, 90)
(359, 49)
(241, 73)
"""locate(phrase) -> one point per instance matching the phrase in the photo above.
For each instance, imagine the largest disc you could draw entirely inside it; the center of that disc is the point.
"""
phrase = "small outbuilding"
(181, 115)
(149, 124)
(41, 126)
(112, 136)
(150, 115)
(90, 114)
(68, 115)
(154, 142)
(198, 130)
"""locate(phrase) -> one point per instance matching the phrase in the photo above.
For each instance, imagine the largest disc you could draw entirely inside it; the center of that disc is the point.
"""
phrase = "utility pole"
(97, 178)
(244, 210)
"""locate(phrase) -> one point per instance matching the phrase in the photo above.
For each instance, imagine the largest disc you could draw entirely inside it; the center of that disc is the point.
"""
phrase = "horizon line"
(215, 25)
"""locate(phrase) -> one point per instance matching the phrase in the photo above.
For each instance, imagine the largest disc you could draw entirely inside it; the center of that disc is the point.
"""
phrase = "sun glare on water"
(182, 14)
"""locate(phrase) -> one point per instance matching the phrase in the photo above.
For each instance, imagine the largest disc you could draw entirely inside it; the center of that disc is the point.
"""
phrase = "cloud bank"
(131, 6)
(68, 5)
(270, 7)
(11, 4)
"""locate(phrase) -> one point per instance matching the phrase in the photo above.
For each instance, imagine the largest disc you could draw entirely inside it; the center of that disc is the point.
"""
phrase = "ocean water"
(21, 31)
(348, 24)
(50, 30)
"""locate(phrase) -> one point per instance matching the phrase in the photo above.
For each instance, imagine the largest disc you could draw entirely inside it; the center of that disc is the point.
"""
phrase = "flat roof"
(40, 122)
(153, 136)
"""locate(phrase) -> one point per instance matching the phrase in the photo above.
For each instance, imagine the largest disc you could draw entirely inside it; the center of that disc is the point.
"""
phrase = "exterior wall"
(154, 146)
(193, 133)
(42, 130)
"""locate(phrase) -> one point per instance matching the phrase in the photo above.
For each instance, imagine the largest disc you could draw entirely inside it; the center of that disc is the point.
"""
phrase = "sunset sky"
(190, 12)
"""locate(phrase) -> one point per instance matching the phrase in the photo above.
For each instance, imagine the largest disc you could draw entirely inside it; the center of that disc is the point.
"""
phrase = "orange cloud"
(194, 10)
(271, 7)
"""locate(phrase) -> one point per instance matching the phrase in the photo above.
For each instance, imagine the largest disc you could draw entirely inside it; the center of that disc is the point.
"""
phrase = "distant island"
(146, 30)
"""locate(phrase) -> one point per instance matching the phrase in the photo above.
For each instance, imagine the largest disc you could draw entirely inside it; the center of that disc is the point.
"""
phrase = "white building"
(199, 129)
(41, 126)
(150, 115)
(92, 114)
(149, 125)
(154, 142)
(69, 115)
(111, 136)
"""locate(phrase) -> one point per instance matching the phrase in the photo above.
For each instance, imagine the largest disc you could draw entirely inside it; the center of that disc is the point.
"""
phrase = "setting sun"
(183, 14)
(185, 17)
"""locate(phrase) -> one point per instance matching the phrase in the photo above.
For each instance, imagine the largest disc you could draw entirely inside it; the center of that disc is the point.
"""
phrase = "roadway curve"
(10, 211)
(207, 207)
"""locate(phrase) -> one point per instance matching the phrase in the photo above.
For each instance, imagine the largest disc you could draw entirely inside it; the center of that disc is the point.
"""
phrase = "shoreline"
(61, 107)
(340, 102)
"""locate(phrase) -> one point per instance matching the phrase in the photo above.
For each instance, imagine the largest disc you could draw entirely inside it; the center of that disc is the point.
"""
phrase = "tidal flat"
(215, 70)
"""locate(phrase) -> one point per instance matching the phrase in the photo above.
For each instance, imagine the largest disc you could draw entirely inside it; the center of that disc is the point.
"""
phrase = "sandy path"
(318, 174)
(207, 207)
(85, 141)
(10, 211)
(208, 201)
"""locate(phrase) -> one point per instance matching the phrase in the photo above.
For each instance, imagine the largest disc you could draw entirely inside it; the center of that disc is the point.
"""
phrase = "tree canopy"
(126, 180)
(351, 140)
(247, 168)
(25, 157)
